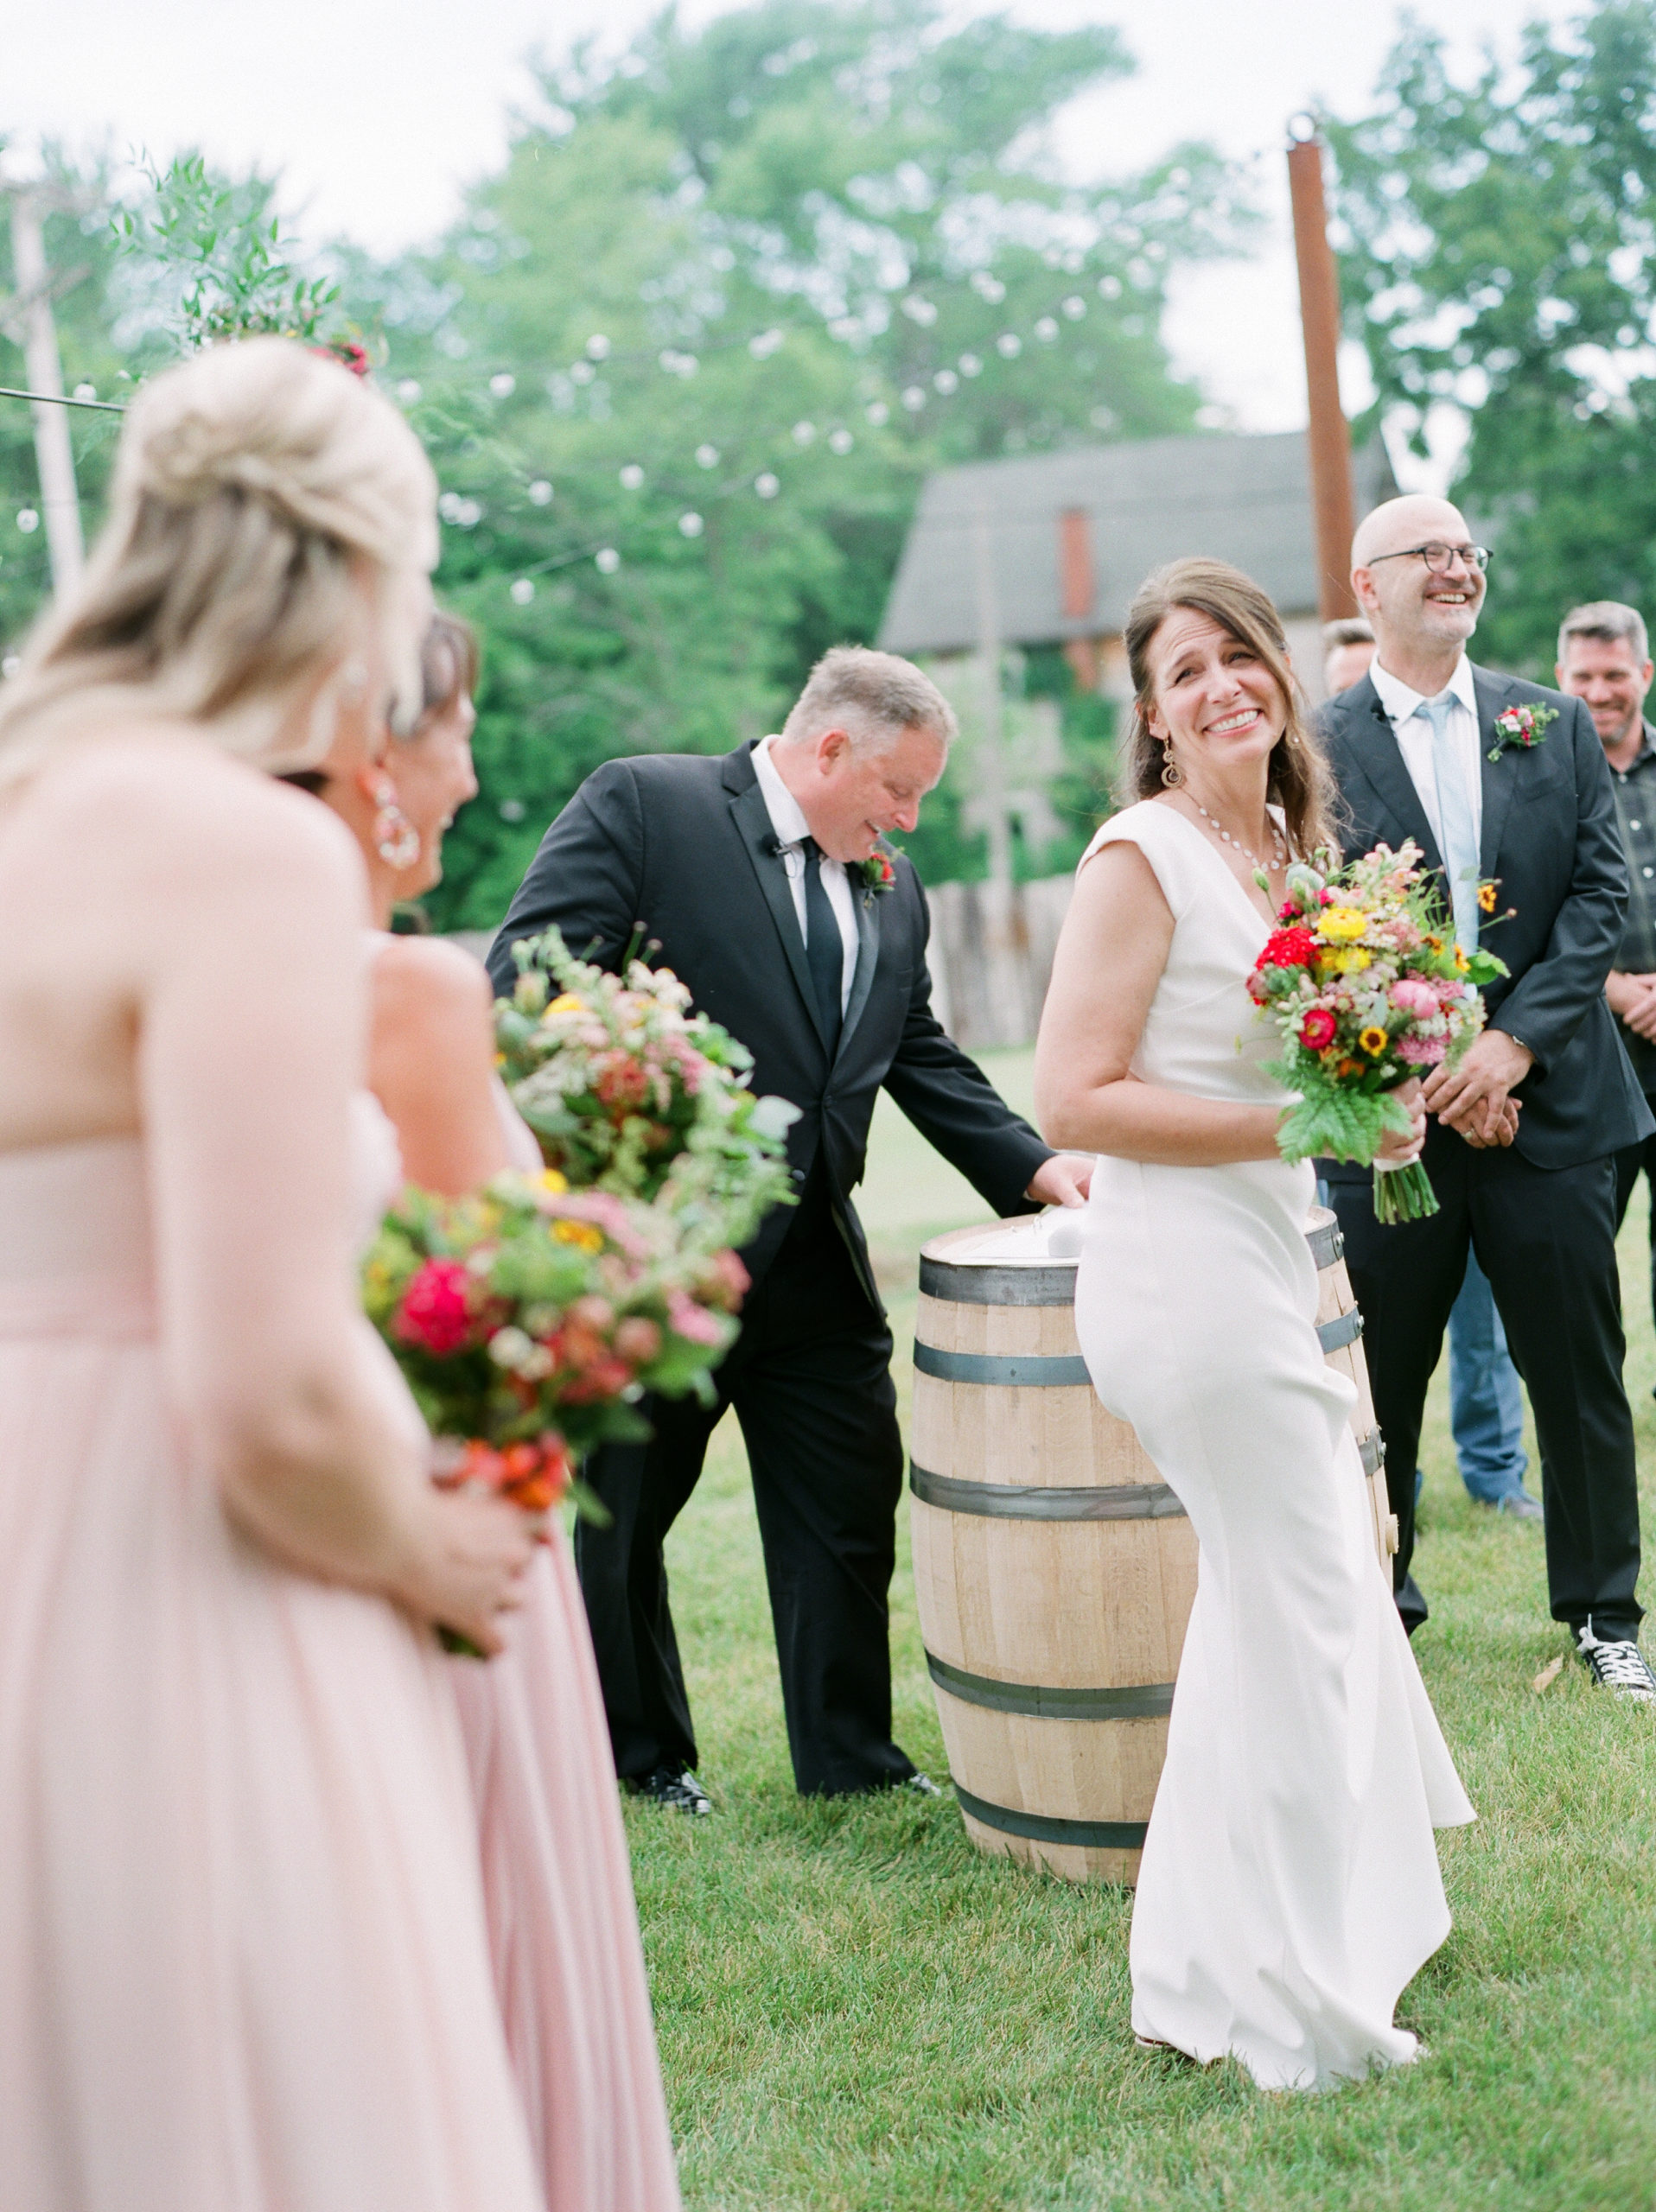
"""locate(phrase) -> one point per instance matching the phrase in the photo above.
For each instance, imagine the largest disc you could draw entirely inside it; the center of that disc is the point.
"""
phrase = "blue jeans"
(1486, 1400)
(1486, 1403)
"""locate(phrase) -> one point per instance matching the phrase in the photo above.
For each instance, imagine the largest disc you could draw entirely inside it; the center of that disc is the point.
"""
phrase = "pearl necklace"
(1279, 850)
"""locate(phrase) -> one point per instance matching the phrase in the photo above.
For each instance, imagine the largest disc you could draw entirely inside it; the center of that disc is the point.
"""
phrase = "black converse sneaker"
(676, 1789)
(1621, 1668)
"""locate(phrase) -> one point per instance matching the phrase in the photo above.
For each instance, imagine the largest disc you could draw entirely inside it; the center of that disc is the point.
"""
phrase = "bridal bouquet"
(631, 1093)
(1366, 987)
(527, 1320)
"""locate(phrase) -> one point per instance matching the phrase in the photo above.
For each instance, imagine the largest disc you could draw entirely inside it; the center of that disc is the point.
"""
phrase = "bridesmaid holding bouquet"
(243, 1965)
(563, 1934)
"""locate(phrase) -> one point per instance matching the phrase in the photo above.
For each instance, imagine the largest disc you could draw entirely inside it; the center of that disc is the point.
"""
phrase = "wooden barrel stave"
(1081, 1580)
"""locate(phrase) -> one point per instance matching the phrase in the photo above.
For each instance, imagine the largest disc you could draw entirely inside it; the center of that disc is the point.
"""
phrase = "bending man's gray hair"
(873, 695)
(1609, 619)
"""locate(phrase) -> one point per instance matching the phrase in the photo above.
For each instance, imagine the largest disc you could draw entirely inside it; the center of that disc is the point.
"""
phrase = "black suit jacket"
(1549, 841)
(683, 847)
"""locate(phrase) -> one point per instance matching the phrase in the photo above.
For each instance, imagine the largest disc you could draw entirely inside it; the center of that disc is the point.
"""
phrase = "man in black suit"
(763, 880)
(1604, 661)
(1522, 1146)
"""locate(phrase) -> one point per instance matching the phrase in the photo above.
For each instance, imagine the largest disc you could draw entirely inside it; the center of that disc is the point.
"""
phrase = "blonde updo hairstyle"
(256, 488)
(1297, 778)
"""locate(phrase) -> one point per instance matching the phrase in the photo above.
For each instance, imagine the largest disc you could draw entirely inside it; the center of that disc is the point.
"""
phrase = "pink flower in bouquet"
(638, 1341)
(692, 1322)
(724, 1280)
(1421, 1052)
(1410, 997)
(621, 1084)
(435, 1311)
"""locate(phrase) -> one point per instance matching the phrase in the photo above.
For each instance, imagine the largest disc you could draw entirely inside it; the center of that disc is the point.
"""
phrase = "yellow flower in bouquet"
(1349, 960)
(1342, 925)
(580, 1233)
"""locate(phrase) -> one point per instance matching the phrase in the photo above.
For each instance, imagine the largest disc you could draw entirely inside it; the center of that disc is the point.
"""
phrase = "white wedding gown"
(1289, 1886)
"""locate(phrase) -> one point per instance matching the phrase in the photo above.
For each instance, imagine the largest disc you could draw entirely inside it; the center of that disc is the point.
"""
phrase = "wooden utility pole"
(1328, 437)
(991, 761)
(54, 456)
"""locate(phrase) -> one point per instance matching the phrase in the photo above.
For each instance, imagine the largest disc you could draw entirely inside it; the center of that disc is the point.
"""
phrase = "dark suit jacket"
(1549, 841)
(683, 847)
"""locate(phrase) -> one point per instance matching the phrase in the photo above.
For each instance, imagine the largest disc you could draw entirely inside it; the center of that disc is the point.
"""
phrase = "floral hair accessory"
(1521, 725)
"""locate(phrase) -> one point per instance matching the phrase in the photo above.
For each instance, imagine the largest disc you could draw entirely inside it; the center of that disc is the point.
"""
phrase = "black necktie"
(823, 948)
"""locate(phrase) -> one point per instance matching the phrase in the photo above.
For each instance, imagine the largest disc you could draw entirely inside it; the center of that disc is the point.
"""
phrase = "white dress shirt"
(787, 819)
(1415, 740)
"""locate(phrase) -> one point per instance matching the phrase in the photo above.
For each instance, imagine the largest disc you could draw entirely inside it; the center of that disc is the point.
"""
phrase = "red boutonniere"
(878, 874)
(1524, 725)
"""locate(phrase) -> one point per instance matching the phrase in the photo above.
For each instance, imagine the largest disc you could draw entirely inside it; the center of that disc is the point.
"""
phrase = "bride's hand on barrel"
(1398, 1149)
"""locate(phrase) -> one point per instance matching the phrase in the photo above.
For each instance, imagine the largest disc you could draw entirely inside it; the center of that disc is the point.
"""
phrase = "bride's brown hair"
(1297, 779)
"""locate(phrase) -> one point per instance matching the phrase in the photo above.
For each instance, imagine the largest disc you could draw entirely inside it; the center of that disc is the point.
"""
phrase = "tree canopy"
(684, 361)
(1498, 260)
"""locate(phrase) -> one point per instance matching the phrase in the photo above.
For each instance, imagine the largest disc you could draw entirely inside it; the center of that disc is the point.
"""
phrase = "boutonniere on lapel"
(1521, 725)
(878, 875)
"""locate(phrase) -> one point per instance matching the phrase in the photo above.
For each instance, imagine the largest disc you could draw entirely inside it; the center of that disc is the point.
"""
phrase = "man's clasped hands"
(1474, 1097)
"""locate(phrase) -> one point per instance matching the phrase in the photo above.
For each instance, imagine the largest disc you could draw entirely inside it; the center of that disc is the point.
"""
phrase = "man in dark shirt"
(1604, 659)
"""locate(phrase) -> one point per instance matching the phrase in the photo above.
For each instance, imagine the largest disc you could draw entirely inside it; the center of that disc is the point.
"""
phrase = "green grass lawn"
(857, 2010)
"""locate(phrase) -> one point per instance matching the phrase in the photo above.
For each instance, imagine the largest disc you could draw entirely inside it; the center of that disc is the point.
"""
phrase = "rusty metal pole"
(1328, 436)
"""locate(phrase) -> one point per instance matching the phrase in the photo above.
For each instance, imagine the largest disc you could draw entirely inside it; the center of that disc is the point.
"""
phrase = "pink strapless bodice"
(75, 1257)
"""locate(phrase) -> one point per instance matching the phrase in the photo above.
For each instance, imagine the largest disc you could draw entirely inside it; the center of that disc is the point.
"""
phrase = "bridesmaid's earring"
(395, 838)
(1172, 774)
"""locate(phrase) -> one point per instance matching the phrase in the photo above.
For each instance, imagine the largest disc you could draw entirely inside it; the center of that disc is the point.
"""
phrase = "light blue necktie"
(1460, 835)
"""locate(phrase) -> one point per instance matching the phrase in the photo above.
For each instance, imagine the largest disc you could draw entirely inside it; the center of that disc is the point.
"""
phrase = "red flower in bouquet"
(1295, 947)
(1285, 948)
(435, 1311)
(1318, 1029)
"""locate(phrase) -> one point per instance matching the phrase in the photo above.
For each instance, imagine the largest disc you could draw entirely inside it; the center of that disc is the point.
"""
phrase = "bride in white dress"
(1290, 1887)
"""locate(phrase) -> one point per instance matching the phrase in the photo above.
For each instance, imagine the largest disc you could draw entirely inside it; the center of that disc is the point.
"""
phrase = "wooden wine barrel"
(1054, 1569)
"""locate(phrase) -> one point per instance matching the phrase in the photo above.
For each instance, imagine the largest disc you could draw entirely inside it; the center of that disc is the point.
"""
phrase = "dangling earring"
(1172, 774)
(395, 838)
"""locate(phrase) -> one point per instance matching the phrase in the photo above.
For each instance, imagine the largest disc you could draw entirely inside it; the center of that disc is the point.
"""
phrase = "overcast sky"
(378, 112)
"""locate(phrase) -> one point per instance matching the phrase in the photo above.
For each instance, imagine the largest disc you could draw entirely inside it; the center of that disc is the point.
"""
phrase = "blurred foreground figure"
(243, 1960)
(557, 1890)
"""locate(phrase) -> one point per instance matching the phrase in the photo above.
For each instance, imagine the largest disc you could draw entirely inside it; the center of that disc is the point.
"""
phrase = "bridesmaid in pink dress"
(563, 1929)
(244, 1964)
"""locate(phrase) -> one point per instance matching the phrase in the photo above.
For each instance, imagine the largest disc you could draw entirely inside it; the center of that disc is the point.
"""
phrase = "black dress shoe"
(677, 1789)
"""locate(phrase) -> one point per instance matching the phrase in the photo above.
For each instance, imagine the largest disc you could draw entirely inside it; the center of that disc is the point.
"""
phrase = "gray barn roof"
(1243, 499)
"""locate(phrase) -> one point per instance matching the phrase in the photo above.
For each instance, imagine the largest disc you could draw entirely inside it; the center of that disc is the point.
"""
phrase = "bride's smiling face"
(1217, 701)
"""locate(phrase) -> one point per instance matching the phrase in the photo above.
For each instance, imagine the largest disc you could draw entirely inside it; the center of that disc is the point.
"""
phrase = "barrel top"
(993, 1244)
(1000, 1263)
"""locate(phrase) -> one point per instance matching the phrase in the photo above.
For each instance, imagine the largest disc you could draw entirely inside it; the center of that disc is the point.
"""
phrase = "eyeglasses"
(1437, 557)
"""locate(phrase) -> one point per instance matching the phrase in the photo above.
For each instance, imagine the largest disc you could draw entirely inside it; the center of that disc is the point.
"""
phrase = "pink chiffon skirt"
(244, 1964)
(563, 1926)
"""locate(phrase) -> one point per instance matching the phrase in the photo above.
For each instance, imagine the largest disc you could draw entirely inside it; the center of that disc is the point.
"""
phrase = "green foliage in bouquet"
(630, 1093)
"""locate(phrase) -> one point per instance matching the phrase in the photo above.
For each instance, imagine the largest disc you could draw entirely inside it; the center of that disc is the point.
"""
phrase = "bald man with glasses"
(1522, 1143)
